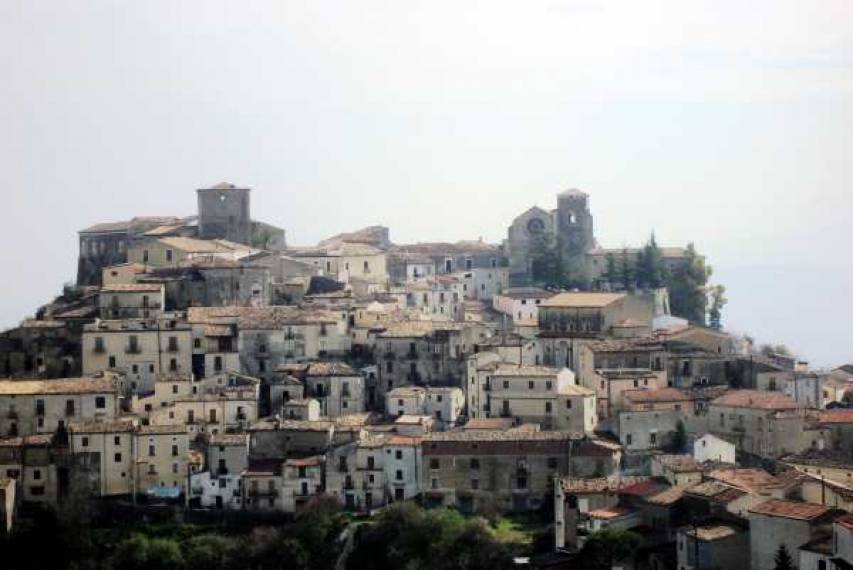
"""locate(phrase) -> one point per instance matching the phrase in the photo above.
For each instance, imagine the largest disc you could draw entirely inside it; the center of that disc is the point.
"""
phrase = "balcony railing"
(99, 349)
(131, 349)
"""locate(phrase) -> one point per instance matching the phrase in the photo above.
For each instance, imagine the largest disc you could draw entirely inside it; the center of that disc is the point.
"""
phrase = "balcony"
(173, 348)
(99, 349)
(132, 349)
(412, 355)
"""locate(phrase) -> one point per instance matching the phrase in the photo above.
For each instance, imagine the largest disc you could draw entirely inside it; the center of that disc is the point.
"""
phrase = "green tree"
(626, 273)
(687, 294)
(651, 270)
(783, 560)
(611, 274)
(141, 553)
(210, 551)
(605, 547)
(718, 301)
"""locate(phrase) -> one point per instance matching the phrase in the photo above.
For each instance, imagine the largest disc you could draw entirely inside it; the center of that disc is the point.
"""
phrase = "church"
(571, 226)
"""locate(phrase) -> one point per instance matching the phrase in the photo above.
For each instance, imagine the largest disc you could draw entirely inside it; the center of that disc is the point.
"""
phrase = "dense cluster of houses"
(203, 361)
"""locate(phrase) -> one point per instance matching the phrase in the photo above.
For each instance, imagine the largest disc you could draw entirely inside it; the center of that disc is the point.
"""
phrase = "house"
(521, 304)
(42, 406)
(443, 403)
(403, 460)
(713, 544)
(679, 470)
(356, 473)
(113, 443)
(262, 486)
(172, 251)
(303, 410)
(768, 424)
(346, 261)
(507, 471)
(336, 386)
(537, 394)
(139, 348)
(828, 464)
(778, 522)
(712, 448)
(302, 479)
(131, 301)
(162, 463)
(651, 418)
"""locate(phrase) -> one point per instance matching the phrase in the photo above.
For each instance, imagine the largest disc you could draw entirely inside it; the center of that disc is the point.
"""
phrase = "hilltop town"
(202, 365)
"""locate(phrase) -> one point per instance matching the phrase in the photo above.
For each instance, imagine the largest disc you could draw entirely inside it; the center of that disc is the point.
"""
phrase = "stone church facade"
(570, 225)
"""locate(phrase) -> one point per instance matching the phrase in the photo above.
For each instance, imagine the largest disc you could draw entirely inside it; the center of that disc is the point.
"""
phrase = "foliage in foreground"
(410, 537)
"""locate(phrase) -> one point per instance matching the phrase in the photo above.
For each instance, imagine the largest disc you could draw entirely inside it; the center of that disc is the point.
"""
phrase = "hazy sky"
(726, 123)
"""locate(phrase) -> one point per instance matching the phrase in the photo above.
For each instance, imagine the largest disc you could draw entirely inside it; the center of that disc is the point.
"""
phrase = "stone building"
(131, 301)
(425, 353)
(223, 214)
(162, 458)
(42, 406)
(113, 442)
(336, 386)
(106, 244)
(139, 348)
(777, 522)
(509, 471)
(534, 394)
(40, 349)
(570, 226)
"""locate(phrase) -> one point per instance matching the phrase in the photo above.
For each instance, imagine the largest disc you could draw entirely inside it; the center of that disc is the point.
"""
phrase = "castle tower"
(574, 226)
(223, 213)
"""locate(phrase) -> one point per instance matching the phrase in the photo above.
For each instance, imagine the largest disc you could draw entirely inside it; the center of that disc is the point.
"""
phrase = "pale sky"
(729, 124)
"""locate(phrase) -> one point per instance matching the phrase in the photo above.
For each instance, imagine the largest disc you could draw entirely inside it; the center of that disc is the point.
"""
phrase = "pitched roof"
(756, 399)
(656, 396)
(132, 288)
(527, 293)
(582, 300)
(710, 533)
(489, 423)
(790, 509)
(58, 386)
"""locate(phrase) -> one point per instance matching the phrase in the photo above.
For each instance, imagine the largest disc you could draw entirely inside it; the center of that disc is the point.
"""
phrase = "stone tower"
(573, 226)
(223, 213)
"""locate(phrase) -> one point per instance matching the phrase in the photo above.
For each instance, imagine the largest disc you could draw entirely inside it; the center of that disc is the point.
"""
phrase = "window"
(117, 457)
(506, 384)
(117, 440)
(530, 385)
(151, 450)
(548, 384)
(174, 467)
(173, 364)
(111, 362)
(389, 367)
(521, 483)
(628, 439)
(398, 454)
(399, 475)
(39, 407)
(84, 442)
(653, 438)
(475, 484)
(433, 463)
(547, 407)
(568, 404)
(552, 463)
(196, 343)
(99, 344)
(174, 450)
(37, 491)
(145, 256)
(168, 255)
(217, 363)
(69, 407)
(174, 388)
(36, 474)
(173, 344)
